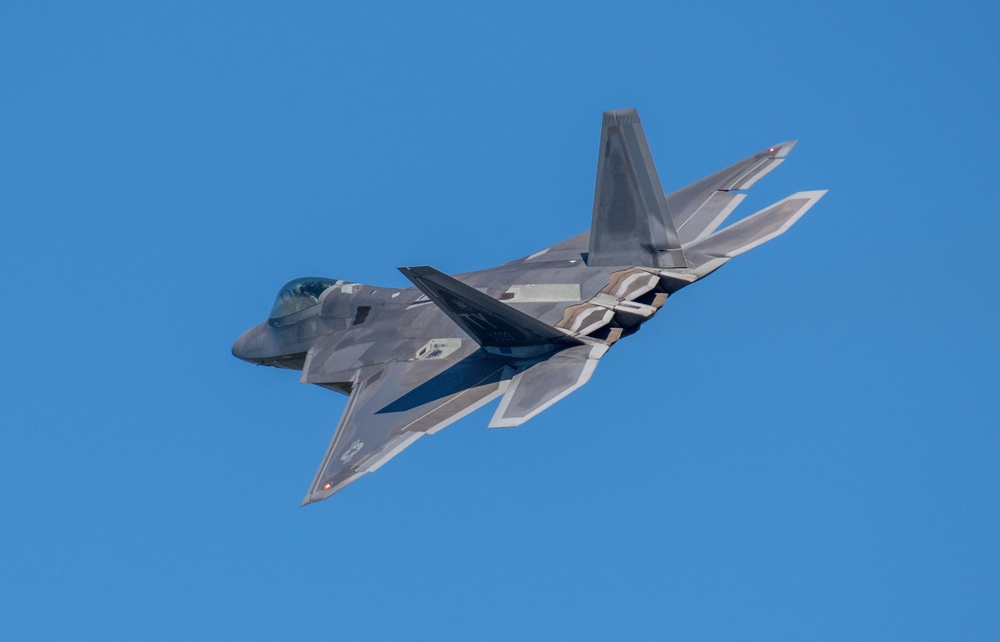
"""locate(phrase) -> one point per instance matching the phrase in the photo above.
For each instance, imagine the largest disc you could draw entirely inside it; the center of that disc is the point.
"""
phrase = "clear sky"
(803, 446)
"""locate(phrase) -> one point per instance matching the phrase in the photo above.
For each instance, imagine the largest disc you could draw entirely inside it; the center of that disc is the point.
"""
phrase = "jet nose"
(240, 347)
(247, 344)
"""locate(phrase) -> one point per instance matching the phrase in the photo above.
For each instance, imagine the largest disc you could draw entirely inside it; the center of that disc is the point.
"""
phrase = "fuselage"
(367, 325)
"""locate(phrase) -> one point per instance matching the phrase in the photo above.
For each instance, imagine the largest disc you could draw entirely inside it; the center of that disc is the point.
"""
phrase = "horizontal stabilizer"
(755, 229)
(489, 322)
(630, 224)
(700, 208)
(545, 383)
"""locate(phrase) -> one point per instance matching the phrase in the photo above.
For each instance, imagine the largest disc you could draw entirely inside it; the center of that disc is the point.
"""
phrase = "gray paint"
(531, 331)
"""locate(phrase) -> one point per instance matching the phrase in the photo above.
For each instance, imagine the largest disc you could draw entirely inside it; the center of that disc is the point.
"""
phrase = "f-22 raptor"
(529, 332)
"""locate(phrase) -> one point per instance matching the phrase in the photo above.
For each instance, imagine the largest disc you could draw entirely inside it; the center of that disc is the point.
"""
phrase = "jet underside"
(529, 332)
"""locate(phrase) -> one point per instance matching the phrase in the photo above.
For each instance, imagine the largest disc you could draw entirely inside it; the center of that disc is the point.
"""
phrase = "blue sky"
(803, 446)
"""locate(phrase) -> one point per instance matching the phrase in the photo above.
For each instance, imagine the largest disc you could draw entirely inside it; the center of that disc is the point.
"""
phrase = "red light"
(326, 486)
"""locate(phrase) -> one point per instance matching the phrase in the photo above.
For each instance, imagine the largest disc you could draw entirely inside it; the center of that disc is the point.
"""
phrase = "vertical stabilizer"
(496, 326)
(631, 224)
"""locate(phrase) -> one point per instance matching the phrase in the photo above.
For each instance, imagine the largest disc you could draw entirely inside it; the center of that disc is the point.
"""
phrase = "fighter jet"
(529, 332)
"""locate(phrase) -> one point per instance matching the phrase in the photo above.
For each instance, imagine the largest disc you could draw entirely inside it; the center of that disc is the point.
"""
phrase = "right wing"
(755, 229)
(701, 207)
(394, 404)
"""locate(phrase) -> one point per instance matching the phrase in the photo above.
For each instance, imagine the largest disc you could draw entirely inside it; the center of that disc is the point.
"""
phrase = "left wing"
(394, 404)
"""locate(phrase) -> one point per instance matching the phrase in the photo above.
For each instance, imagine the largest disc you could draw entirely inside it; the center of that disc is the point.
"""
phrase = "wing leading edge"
(386, 413)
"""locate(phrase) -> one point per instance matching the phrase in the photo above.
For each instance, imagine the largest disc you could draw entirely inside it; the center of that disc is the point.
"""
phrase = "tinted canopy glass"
(298, 295)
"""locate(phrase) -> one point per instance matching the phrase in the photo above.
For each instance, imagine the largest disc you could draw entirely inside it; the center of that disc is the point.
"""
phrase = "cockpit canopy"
(298, 295)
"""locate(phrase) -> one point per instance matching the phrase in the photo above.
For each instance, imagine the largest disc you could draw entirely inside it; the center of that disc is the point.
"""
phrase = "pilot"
(313, 289)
